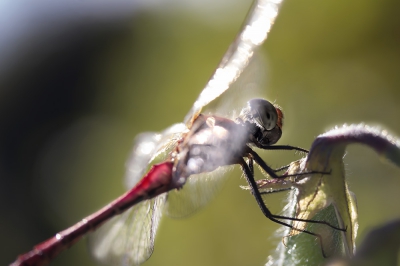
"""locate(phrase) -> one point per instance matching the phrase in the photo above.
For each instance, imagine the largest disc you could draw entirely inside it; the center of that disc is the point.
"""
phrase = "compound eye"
(264, 113)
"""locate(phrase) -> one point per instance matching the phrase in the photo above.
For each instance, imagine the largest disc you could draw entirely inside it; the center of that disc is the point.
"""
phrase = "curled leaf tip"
(321, 193)
(385, 144)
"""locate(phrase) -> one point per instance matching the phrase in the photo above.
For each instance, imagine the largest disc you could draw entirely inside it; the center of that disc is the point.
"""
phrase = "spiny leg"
(271, 172)
(268, 169)
(256, 193)
(283, 147)
(251, 167)
(285, 167)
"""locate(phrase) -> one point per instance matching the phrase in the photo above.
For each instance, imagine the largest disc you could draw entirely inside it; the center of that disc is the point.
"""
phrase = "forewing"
(151, 147)
(252, 35)
(251, 84)
(128, 239)
(198, 190)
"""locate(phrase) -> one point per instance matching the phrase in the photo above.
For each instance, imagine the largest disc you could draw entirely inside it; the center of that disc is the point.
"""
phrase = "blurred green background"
(79, 80)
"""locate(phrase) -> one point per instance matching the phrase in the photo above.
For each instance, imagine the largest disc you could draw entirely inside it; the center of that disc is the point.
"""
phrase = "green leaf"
(320, 193)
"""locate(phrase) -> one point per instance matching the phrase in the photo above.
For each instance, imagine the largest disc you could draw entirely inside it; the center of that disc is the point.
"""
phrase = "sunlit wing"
(200, 189)
(150, 147)
(128, 239)
(251, 84)
(256, 27)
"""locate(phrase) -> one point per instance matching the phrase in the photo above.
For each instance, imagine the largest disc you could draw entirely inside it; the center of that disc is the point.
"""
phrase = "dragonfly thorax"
(215, 141)
(212, 142)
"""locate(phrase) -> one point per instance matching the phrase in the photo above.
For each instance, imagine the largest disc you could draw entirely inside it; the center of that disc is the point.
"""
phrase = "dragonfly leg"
(257, 195)
(250, 164)
(254, 156)
(283, 147)
(285, 167)
(271, 172)
(249, 174)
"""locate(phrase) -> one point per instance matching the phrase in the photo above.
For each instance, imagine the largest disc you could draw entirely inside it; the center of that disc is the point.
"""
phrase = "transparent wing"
(251, 84)
(254, 31)
(128, 239)
(149, 147)
(198, 191)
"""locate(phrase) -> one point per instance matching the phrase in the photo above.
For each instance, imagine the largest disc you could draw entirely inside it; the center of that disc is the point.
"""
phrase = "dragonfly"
(123, 232)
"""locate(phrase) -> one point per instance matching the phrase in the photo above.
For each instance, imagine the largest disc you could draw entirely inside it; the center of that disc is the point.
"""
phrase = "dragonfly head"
(264, 121)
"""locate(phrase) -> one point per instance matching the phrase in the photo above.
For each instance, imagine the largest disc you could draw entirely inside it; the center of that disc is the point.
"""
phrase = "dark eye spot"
(268, 116)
